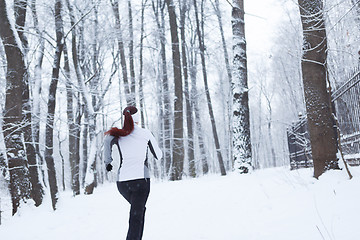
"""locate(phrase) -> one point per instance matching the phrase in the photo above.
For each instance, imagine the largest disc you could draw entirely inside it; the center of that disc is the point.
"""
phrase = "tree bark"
(130, 100)
(131, 55)
(241, 116)
(167, 108)
(189, 110)
(20, 18)
(195, 106)
(228, 95)
(207, 93)
(36, 187)
(73, 127)
(49, 141)
(141, 66)
(37, 92)
(178, 143)
(20, 186)
(314, 72)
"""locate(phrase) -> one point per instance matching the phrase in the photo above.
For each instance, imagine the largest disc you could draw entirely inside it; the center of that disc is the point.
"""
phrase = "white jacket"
(133, 150)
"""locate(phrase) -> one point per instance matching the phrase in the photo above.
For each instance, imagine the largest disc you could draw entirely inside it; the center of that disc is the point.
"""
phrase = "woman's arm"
(154, 147)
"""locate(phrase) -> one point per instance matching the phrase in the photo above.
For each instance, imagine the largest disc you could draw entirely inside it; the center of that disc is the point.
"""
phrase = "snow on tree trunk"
(20, 185)
(73, 144)
(91, 166)
(130, 98)
(166, 110)
(49, 141)
(241, 117)
(37, 193)
(314, 72)
(36, 89)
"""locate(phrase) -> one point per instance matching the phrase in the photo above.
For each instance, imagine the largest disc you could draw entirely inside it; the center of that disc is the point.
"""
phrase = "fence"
(346, 100)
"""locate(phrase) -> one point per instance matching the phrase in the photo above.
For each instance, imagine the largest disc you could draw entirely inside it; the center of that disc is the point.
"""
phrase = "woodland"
(215, 102)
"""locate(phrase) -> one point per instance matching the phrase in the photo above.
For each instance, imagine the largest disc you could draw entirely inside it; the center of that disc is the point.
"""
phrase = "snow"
(267, 204)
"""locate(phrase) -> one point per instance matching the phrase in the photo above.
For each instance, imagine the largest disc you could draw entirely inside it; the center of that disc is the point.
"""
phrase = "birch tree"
(241, 116)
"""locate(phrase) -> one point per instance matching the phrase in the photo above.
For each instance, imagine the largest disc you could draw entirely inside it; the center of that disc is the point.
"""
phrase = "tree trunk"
(20, 185)
(241, 116)
(229, 75)
(131, 55)
(189, 118)
(85, 139)
(52, 103)
(130, 100)
(178, 144)
(36, 187)
(167, 110)
(314, 71)
(207, 93)
(141, 89)
(73, 127)
(93, 103)
(37, 91)
(195, 106)
(20, 18)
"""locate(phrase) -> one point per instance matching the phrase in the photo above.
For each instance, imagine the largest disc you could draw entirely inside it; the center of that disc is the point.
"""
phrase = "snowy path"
(269, 204)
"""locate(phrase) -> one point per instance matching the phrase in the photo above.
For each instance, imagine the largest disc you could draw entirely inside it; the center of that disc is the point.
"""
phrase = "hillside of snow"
(267, 204)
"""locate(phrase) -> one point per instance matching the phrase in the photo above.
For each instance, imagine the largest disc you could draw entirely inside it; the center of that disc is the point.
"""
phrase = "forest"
(222, 84)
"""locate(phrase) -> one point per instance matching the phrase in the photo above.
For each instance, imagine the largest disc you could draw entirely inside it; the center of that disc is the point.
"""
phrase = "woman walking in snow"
(133, 182)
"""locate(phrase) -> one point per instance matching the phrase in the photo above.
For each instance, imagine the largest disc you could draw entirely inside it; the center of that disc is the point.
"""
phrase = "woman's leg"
(124, 190)
(136, 192)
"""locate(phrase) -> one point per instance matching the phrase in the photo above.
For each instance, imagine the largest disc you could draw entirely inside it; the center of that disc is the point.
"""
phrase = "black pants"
(136, 192)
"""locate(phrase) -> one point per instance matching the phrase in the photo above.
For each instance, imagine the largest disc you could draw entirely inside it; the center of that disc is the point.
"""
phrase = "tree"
(314, 73)
(49, 141)
(36, 187)
(241, 116)
(189, 111)
(178, 143)
(20, 185)
(207, 92)
(166, 108)
(130, 97)
(73, 126)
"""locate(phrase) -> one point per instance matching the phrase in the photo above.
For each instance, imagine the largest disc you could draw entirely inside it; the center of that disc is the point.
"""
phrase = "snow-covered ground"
(267, 204)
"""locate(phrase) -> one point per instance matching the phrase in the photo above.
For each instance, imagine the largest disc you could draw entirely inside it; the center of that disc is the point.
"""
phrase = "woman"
(133, 182)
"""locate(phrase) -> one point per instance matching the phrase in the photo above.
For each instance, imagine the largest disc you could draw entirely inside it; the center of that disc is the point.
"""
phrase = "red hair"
(128, 123)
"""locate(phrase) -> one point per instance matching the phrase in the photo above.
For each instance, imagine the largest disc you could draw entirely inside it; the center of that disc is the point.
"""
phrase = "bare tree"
(130, 98)
(141, 65)
(36, 187)
(184, 8)
(207, 93)
(317, 98)
(73, 116)
(166, 109)
(20, 185)
(131, 54)
(178, 143)
(36, 88)
(241, 116)
(49, 141)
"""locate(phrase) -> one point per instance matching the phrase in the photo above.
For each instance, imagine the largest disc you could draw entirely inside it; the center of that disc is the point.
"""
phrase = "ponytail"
(128, 124)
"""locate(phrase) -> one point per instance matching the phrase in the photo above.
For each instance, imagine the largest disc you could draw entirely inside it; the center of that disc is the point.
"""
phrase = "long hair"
(128, 126)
